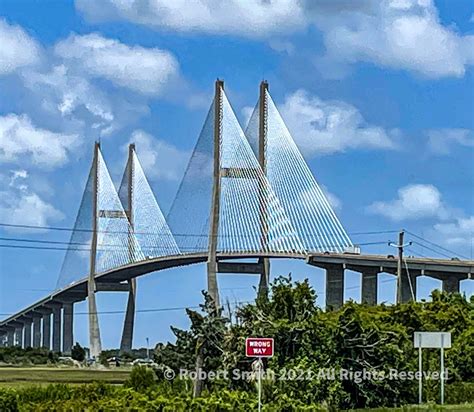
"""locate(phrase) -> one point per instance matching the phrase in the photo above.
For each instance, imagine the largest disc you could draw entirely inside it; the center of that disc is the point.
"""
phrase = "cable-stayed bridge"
(244, 195)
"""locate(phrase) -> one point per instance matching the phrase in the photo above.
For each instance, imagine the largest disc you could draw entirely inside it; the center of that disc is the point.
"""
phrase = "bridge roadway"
(17, 327)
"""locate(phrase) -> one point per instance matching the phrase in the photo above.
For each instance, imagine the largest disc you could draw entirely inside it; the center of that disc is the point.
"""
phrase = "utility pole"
(400, 247)
(399, 266)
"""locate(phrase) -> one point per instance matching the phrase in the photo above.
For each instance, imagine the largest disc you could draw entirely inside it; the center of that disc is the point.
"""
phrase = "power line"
(118, 247)
(151, 310)
(436, 245)
(417, 252)
(432, 250)
(378, 232)
(74, 249)
(69, 229)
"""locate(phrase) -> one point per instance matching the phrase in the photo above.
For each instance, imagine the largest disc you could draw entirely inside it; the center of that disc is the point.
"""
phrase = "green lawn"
(423, 408)
(12, 376)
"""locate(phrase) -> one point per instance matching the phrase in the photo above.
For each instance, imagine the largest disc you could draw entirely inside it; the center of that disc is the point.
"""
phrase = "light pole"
(147, 348)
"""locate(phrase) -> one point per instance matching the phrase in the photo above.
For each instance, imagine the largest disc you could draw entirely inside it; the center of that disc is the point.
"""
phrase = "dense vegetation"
(30, 356)
(356, 338)
(308, 340)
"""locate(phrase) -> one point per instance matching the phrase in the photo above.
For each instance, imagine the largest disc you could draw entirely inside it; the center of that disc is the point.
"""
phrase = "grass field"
(14, 377)
(24, 376)
(423, 408)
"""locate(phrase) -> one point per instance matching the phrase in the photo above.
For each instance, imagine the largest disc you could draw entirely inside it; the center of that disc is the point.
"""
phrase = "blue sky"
(377, 94)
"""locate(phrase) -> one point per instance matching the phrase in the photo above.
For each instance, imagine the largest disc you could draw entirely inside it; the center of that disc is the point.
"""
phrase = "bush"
(460, 392)
(17, 356)
(78, 352)
(141, 378)
(8, 401)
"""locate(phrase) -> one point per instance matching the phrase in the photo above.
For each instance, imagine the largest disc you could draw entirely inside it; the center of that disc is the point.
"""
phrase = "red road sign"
(259, 347)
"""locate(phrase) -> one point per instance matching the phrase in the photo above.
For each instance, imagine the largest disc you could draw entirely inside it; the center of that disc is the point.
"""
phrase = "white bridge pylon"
(243, 193)
(296, 188)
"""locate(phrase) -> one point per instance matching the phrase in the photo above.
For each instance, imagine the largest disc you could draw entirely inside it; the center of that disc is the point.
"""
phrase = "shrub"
(141, 378)
(78, 352)
(460, 392)
(8, 401)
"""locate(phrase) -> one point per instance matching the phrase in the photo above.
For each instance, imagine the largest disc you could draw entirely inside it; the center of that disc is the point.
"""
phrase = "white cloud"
(333, 200)
(400, 34)
(441, 141)
(321, 127)
(250, 18)
(458, 233)
(17, 48)
(282, 46)
(19, 205)
(20, 140)
(159, 159)
(414, 201)
(72, 97)
(144, 70)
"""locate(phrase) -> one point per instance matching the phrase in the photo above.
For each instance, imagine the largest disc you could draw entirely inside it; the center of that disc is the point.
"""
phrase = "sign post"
(420, 371)
(435, 340)
(442, 369)
(259, 348)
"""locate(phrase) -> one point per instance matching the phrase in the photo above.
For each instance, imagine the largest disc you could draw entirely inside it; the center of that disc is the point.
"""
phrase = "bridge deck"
(77, 291)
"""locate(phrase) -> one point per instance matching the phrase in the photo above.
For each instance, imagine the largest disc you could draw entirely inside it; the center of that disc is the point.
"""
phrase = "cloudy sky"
(377, 94)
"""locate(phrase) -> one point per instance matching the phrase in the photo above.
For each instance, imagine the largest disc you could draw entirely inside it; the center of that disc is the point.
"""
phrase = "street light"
(147, 348)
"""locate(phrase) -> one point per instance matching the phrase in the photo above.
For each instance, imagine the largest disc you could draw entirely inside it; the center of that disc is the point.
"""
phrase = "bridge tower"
(128, 325)
(262, 159)
(212, 287)
(95, 345)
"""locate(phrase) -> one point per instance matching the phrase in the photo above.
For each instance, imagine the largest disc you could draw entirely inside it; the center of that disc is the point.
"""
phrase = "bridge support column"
(406, 289)
(19, 336)
(369, 286)
(10, 337)
(334, 286)
(36, 330)
(27, 334)
(129, 321)
(57, 330)
(68, 327)
(264, 278)
(46, 343)
(451, 284)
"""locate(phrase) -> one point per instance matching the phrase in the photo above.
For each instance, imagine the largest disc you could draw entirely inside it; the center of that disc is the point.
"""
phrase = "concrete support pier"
(10, 337)
(264, 277)
(129, 321)
(451, 284)
(406, 290)
(334, 286)
(57, 329)
(36, 330)
(19, 336)
(27, 334)
(369, 286)
(68, 327)
(46, 342)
